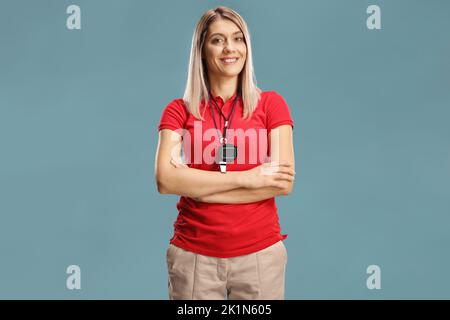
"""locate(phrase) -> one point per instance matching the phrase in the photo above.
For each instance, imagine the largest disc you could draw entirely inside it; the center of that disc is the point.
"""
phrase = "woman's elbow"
(161, 184)
(161, 188)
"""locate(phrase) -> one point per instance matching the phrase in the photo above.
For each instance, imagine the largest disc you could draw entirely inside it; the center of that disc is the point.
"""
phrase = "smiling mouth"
(229, 60)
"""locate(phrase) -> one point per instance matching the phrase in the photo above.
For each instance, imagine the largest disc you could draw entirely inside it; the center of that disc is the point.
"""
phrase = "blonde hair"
(197, 86)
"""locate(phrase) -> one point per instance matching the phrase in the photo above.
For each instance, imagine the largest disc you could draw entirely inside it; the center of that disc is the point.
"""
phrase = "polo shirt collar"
(219, 98)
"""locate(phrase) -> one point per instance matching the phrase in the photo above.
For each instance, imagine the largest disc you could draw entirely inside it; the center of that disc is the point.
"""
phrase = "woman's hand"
(177, 164)
(270, 174)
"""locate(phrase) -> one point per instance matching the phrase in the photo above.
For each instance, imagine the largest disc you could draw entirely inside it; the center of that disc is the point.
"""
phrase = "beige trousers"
(256, 276)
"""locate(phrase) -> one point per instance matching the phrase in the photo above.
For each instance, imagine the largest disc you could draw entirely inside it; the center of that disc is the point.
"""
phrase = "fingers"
(280, 180)
(173, 163)
(277, 167)
(286, 170)
(279, 184)
(283, 163)
(177, 164)
(284, 176)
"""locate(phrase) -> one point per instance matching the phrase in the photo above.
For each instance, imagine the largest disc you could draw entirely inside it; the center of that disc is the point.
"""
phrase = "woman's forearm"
(196, 183)
(244, 195)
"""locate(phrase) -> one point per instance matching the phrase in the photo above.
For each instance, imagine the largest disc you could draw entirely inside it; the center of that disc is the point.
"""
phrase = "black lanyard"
(223, 138)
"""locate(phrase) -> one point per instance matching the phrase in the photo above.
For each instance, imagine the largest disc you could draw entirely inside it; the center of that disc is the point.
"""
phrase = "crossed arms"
(262, 182)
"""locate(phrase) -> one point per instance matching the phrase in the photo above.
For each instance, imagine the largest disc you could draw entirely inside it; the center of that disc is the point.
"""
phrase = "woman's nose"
(228, 47)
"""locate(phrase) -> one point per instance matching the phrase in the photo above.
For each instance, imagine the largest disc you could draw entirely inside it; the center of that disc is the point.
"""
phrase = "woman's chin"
(230, 73)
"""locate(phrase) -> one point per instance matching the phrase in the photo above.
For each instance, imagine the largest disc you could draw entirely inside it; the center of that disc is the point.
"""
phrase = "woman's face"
(224, 40)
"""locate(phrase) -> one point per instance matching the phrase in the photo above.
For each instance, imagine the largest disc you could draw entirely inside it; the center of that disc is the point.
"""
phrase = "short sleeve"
(173, 116)
(277, 112)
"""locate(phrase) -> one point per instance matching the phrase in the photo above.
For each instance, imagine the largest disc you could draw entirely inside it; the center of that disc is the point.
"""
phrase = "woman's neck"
(224, 87)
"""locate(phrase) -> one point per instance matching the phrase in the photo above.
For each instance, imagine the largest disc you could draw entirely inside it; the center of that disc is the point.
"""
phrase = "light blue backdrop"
(78, 130)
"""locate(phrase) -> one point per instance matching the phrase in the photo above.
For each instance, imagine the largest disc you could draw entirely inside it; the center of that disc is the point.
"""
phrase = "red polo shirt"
(226, 230)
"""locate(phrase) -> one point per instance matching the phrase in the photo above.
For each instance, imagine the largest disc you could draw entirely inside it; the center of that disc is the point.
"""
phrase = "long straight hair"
(197, 86)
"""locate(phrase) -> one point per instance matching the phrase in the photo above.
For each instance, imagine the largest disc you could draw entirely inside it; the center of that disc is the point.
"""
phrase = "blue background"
(78, 132)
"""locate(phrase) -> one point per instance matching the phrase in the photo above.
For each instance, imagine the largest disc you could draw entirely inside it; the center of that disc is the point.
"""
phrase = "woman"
(213, 151)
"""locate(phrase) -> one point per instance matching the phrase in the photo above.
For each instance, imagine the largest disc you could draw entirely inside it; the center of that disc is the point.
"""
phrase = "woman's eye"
(219, 40)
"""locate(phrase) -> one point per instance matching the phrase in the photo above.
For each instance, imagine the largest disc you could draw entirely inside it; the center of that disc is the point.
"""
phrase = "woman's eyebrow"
(221, 34)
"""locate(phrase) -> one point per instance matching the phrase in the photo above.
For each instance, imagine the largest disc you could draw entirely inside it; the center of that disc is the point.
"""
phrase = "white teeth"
(229, 60)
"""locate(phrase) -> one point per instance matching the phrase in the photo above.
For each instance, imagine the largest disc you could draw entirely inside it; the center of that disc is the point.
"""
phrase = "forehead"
(223, 26)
